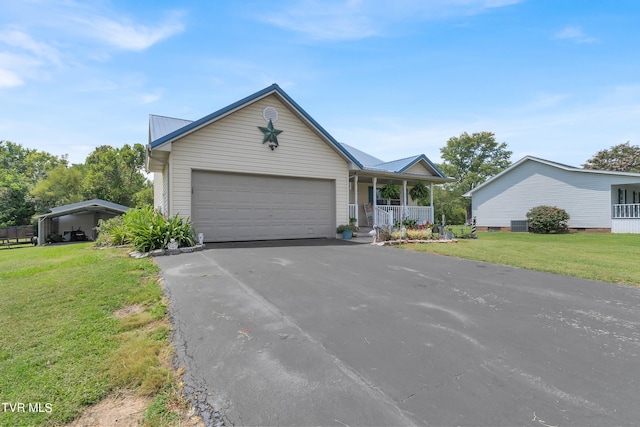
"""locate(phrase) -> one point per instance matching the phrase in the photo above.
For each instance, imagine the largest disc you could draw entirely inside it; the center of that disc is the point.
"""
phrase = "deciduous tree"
(471, 159)
(621, 157)
(20, 169)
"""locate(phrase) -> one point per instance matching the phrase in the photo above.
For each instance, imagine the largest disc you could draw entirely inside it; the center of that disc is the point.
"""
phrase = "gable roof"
(369, 162)
(95, 205)
(552, 164)
(274, 89)
(165, 130)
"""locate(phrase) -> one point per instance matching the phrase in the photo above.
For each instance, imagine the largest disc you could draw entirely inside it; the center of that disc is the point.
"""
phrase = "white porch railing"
(352, 210)
(391, 215)
(626, 211)
(382, 218)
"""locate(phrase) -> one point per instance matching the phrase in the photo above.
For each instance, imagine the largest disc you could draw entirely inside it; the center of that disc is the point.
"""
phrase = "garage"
(241, 207)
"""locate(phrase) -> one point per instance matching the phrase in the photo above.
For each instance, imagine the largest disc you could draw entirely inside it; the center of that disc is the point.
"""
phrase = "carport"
(74, 219)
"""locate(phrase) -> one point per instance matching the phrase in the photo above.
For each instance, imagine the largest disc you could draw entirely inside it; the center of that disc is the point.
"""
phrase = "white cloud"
(9, 79)
(16, 68)
(23, 41)
(574, 34)
(124, 34)
(357, 19)
(148, 98)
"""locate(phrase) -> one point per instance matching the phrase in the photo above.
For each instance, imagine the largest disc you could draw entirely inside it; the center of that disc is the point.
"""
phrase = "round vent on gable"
(270, 113)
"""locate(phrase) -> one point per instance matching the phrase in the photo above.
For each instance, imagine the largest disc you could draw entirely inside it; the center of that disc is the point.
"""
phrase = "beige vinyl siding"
(158, 189)
(234, 144)
(418, 169)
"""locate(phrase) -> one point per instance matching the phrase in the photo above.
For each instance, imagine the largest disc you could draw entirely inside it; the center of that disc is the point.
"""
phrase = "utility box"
(520, 226)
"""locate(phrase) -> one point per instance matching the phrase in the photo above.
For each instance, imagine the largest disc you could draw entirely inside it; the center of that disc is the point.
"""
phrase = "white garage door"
(235, 207)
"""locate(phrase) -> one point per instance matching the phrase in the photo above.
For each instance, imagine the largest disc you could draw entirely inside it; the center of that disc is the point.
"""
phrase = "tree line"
(33, 181)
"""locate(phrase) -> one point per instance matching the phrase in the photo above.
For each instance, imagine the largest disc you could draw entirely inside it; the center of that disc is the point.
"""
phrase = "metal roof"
(396, 166)
(160, 126)
(95, 205)
(362, 157)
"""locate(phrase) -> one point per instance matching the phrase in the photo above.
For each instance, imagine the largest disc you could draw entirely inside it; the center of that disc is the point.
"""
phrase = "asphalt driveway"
(334, 333)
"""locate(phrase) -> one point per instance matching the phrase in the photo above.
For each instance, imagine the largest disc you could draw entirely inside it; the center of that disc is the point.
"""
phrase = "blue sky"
(558, 79)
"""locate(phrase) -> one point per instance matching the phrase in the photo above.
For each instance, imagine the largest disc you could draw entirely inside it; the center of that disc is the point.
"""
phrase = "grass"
(60, 343)
(606, 257)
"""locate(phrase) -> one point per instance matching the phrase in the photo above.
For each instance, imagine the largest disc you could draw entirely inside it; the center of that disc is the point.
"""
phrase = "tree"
(20, 169)
(621, 158)
(115, 174)
(62, 186)
(471, 159)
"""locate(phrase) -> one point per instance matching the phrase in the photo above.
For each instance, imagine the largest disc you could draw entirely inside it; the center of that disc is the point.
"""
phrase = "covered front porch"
(625, 208)
(625, 218)
(370, 208)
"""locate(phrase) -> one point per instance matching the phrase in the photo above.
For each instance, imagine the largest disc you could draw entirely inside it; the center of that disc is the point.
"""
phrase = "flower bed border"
(406, 241)
(163, 252)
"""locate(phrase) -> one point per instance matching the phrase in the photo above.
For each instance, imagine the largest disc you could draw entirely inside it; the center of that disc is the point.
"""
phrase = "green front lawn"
(61, 347)
(607, 257)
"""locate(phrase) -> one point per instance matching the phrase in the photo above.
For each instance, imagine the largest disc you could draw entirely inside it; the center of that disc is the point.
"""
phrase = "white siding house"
(595, 200)
(262, 168)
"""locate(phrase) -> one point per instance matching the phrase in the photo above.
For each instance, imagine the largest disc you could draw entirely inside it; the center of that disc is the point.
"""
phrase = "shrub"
(111, 232)
(413, 234)
(407, 223)
(148, 229)
(421, 234)
(544, 219)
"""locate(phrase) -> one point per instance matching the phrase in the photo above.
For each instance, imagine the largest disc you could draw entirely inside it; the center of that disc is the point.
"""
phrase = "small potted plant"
(346, 230)
(354, 222)
(448, 232)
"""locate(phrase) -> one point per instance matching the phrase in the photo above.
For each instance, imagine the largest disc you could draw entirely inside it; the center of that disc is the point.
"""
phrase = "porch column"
(404, 194)
(431, 201)
(375, 201)
(355, 197)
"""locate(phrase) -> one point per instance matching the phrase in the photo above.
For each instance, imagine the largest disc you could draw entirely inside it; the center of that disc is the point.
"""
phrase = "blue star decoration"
(270, 135)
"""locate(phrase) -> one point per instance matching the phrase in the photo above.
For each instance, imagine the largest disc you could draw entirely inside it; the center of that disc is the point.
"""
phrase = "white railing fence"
(352, 210)
(626, 211)
(420, 214)
(382, 217)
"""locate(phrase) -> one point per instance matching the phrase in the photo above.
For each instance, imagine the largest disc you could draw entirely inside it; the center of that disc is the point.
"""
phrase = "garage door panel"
(229, 207)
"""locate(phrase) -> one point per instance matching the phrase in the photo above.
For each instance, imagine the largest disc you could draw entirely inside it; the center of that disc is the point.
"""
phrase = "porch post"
(404, 193)
(431, 201)
(355, 197)
(375, 201)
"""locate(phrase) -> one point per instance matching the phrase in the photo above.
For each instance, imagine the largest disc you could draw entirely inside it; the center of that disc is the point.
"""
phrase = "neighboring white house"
(262, 168)
(595, 200)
